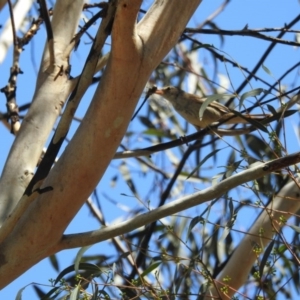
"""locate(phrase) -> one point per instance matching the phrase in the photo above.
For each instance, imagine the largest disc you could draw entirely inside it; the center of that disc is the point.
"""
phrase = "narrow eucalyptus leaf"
(267, 70)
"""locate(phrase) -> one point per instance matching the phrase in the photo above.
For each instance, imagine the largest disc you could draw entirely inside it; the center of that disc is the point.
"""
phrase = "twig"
(221, 58)
(200, 134)
(215, 13)
(45, 16)
(10, 89)
(264, 57)
(115, 240)
(75, 41)
(243, 32)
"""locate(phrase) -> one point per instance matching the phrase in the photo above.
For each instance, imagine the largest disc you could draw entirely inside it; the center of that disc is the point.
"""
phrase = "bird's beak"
(159, 92)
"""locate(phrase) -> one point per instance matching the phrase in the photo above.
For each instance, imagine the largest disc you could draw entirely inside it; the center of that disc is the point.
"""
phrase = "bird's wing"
(215, 105)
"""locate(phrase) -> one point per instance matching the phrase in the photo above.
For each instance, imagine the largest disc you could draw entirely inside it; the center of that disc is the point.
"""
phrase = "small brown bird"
(188, 106)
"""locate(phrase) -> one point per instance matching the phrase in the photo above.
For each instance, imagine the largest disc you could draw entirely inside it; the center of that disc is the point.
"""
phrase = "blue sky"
(245, 50)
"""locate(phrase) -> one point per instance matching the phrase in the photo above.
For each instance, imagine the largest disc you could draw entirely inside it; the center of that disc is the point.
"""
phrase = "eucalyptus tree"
(163, 248)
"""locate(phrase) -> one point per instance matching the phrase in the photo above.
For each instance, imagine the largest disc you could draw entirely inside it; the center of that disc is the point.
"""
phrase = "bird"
(188, 106)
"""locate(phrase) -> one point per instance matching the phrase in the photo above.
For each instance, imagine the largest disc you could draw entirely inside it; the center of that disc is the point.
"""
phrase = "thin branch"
(3, 119)
(200, 134)
(149, 165)
(233, 63)
(264, 57)
(45, 16)
(12, 22)
(83, 29)
(116, 240)
(254, 172)
(10, 89)
(215, 13)
(21, 9)
(243, 32)
(275, 30)
(279, 80)
(140, 258)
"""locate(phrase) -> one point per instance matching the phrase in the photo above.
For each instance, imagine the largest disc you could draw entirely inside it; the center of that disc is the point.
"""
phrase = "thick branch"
(164, 19)
(81, 166)
(48, 100)
(215, 191)
(244, 32)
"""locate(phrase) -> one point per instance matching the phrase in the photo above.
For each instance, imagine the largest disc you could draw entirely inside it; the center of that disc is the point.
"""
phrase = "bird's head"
(170, 93)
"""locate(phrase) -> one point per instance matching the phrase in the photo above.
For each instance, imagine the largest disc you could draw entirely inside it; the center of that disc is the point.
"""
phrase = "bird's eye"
(168, 88)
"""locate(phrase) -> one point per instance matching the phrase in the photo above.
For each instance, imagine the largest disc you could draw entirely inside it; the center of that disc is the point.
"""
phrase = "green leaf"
(278, 115)
(256, 144)
(75, 293)
(156, 132)
(19, 295)
(102, 292)
(267, 70)
(233, 167)
(225, 233)
(215, 179)
(51, 292)
(252, 93)
(113, 271)
(203, 161)
(78, 257)
(147, 122)
(162, 236)
(200, 218)
(296, 228)
(271, 109)
(54, 262)
(203, 46)
(82, 266)
(281, 249)
(230, 223)
(151, 268)
(96, 293)
(265, 258)
(193, 223)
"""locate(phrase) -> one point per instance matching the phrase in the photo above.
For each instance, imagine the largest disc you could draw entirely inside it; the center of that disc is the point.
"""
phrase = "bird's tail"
(238, 118)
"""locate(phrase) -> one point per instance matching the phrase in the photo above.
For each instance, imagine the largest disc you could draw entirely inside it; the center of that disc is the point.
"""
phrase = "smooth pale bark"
(48, 100)
(136, 50)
